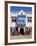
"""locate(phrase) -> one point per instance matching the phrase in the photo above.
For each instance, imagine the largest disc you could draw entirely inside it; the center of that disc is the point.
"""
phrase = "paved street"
(21, 37)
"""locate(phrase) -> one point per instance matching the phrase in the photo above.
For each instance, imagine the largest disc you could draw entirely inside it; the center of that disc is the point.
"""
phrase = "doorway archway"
(22, 31)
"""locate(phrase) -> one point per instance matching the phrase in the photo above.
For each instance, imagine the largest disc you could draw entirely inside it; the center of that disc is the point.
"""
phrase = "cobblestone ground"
(21, 37)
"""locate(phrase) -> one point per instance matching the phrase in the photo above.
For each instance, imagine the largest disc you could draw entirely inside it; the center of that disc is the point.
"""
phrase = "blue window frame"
(21, 20)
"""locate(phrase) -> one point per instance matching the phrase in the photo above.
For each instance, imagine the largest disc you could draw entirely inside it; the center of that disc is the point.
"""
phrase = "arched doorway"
(22, 31)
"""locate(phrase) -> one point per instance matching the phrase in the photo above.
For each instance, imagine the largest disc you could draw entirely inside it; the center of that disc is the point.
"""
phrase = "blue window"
(21, 20)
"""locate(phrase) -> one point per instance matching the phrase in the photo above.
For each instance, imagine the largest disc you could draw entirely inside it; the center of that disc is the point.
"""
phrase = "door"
(22, 31)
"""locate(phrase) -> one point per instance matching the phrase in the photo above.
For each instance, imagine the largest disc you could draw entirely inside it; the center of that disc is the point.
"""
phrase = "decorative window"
(29, 19)
(21, 20)
(13, 19)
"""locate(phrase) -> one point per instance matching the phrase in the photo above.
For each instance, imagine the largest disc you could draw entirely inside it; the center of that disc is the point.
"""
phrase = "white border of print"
(19, 40)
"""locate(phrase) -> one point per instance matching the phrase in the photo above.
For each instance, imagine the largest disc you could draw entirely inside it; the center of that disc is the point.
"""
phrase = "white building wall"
(30, 23)
(13, 14)
(12, 24)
